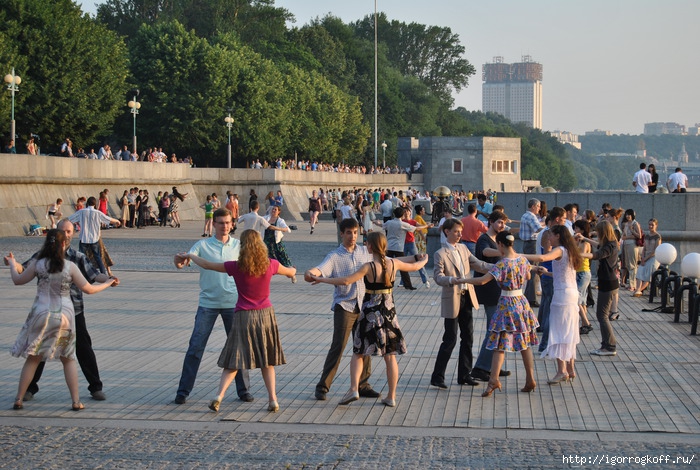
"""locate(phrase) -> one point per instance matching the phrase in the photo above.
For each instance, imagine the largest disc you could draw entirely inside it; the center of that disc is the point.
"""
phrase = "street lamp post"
(135, 106)
(384, 151)
(13, 82)
(229, 123)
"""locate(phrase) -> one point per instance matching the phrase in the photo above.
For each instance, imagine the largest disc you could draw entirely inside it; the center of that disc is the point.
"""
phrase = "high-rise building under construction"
(514, 90)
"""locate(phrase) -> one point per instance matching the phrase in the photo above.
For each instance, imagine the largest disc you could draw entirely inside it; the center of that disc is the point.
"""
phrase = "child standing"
(208, 217)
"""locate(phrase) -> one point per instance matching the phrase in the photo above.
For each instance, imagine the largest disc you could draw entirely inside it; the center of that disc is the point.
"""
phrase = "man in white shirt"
(253, 221)
(677, 182)
(396, 230)
(91, 221)
(642, 179)
(387, 208)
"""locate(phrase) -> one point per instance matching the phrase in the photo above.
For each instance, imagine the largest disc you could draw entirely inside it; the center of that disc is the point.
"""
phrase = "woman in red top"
(102, 204)
(254, 340)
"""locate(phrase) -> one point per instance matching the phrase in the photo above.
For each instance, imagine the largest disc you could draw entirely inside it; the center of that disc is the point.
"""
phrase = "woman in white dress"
(563, 316)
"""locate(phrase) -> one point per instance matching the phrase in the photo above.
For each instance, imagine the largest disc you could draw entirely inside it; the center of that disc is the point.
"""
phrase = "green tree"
(433, 54)
(73, 71)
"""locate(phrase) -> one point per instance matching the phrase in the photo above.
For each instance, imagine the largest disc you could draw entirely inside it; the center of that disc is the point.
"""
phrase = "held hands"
(313, 279)
(541, 270)
(182, 259)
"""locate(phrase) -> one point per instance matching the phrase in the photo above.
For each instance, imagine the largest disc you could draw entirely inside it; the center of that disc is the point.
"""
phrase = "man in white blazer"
(453, 264)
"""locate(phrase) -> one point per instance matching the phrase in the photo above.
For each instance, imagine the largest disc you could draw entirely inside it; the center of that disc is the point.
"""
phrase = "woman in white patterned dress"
(49, 330)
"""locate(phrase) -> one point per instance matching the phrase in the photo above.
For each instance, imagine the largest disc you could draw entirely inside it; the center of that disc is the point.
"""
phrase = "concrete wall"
(28, 184)
(678, 216)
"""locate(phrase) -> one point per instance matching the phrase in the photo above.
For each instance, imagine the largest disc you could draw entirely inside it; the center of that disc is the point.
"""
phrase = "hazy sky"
(608, 64)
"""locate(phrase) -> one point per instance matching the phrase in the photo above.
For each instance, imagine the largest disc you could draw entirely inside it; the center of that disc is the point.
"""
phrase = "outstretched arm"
(20, 276)
(556, 253)
(82, 283)
(417, 262)
(342, 281)
(477, 281)
(201, 262)
(285, 271)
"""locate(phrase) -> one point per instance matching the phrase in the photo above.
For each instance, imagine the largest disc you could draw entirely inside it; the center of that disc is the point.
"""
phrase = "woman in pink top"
(254, 341)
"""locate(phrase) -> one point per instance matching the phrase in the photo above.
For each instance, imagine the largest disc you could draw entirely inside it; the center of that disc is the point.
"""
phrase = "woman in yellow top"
(420, 234)
(583, 276)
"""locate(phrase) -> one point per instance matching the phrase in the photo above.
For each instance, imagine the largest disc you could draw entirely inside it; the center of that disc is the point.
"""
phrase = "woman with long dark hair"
(254, 341)
(563, 314)
(48, 333)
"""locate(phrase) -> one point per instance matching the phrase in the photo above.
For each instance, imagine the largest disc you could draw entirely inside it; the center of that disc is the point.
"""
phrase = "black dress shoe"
(180, 400)
(468, 380)
(320, 395)
(439, 384)
(481, 374)
(369, 393)
(502, 373)
(534, 304)
(247, 397)
(410, 288)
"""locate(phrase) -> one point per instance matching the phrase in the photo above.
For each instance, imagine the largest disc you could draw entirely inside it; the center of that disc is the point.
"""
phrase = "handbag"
(639, 241)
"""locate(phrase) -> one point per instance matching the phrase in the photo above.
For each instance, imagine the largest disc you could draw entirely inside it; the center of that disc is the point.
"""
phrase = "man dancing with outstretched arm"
(217, 297)
(347, 300)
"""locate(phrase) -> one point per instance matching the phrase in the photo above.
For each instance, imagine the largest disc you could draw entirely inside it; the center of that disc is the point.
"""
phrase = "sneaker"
(427, 284)
(603, 352)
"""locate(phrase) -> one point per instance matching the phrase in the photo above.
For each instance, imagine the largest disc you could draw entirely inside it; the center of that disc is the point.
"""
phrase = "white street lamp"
(135, 106)
(13, 82)
(384, 151)
(229, 123)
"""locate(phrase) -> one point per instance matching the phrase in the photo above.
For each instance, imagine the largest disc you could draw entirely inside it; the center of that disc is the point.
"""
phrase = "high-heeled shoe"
(18, 404)
(490, 389)
(214, 405)
(529, 387)
(559, 378)
(273, 406)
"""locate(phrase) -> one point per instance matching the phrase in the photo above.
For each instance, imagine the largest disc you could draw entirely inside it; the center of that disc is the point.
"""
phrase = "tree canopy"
(73, 71)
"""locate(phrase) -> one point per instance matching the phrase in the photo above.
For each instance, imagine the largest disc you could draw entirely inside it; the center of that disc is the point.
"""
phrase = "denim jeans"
(94, 248)
(483, 362)
(547, 284)
(204, 322)
(409, 249)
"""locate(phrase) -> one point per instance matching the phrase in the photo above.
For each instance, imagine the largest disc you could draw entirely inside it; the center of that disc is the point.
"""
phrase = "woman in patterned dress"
(377, 330)
(49, 331)
(513, 325)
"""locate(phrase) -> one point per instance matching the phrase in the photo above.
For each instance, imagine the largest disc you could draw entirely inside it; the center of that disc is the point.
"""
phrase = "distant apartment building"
(694, 130)
(514, 90)
(598, 132)
(566, 137)
(662, 128)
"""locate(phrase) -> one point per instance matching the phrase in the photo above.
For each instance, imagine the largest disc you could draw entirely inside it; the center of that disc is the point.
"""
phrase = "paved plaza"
(642, 404)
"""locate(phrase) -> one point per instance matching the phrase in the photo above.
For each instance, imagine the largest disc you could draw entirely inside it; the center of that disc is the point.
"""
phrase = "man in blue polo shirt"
(217, 296)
